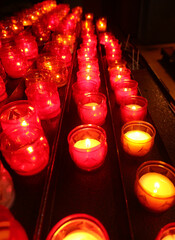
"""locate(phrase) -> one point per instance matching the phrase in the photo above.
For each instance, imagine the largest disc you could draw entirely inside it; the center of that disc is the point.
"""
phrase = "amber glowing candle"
(93, 109)
(78, 227)
(89, 16)
(137, 137)
(101, 24)
(154, 185)
(167, 232)
(88, 146)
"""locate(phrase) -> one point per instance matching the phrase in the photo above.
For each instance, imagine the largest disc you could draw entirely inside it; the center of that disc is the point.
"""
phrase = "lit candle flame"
(88, 143)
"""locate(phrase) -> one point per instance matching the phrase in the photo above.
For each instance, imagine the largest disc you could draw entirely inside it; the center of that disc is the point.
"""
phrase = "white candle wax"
(86, 143)
(134, 106)
(91, 104)
(81, 235)
(157, 185)
(169, 237)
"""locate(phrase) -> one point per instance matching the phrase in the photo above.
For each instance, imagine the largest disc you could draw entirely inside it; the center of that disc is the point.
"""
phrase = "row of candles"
(23, 142)
(154, 184)
(87, 143)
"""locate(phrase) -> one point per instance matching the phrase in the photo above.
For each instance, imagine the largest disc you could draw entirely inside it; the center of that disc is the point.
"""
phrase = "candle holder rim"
(144, 123)
(52, 85)
(124, 102)
(13, 104)
(2, 134)
(84, 127)
(74, 217)
(165, 228)
(76, 84)
(102, 95)
(125, 81)
(169, 168)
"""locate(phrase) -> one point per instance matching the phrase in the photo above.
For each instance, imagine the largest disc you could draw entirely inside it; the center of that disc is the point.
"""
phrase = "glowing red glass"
(92, 108)
(45, 97)
(88, 146)
(13, 229)
(124, 89)
(133, 108)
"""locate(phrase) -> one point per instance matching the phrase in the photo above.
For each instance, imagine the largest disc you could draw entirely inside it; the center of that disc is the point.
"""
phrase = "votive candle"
(154, 185)
(88, 146)
(78, 226)
(137, 137)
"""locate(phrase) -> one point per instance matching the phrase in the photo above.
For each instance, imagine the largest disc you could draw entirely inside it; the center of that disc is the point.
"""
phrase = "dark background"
(147, 21)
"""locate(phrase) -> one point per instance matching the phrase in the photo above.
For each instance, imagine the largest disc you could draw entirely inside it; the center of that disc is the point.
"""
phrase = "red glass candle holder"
(65, 39)
(62, 52)
(57, 69)
(13, 61)
(137, 137)
(116, 75)
(7, 191)
(26, 42)
(41, 33)
(26, 149)
(81, 88)
(82, 54)
(104, 37)
(36, 75)
(88, 146)
(113, 57)
(101, 24)
(91, 62)
(134, 108)
(155, 185)
(88, 76)
(167, 232)
(117, 64)
(78, 226)
(45, 97)
(18, 114)
(3, 93)
(124, 89)
(92, 108)
(90, 38)
(10, 227)
(2, 71)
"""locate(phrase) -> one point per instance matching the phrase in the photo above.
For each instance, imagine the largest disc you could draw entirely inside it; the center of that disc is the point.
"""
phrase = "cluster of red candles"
(87, 143)
(42, 55)
(36, 46)
(154, 183)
